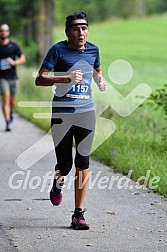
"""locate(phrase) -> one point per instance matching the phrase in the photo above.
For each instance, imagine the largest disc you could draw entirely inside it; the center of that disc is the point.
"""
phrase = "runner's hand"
(76, 77)
(102, 85)
(11, 61)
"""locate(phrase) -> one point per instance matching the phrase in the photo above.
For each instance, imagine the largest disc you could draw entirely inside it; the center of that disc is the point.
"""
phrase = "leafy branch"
(159, 98)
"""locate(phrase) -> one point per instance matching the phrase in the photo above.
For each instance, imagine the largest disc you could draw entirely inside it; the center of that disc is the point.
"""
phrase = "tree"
(141, 7)
(28, 10)
(45, 27)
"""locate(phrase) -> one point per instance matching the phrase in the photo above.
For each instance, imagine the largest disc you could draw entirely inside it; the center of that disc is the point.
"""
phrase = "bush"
(32, 54)
(159, 98)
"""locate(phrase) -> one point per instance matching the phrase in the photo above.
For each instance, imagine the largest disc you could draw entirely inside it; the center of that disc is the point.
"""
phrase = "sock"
(11, 116)
(78, 213)
(78, 209)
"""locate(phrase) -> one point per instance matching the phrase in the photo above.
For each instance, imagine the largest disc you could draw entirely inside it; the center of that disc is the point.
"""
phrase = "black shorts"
(65, 128)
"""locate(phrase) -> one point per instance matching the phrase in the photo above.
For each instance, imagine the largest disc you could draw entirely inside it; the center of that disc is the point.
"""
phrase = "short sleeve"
(97, 60)
(51, 58)
(18, 51)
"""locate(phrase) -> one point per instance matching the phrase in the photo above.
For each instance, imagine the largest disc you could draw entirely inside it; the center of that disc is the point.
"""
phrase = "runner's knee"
(64, 168)
(82, 162)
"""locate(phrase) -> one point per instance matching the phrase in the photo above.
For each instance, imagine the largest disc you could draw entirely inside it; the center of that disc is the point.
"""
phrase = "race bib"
(80, 91)
(4, 65)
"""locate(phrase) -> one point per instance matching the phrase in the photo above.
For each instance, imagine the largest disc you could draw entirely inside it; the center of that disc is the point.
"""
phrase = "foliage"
(155, 6)
(20, 14)
(27, 19)
(159, 98)
(32, 53)
(20, 17)
(99, 10)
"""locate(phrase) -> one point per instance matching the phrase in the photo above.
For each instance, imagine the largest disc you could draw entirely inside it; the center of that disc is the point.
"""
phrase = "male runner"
(10, 57)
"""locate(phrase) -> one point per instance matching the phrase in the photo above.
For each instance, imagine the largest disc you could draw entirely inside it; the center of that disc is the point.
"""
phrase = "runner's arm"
(20, 60)
(44, 79)
(98, 78)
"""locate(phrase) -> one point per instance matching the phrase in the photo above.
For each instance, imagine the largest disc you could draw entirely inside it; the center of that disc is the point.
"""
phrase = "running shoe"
(7, 129)
(8, 126)
(78, 221)
(56, 198)
(56, 194)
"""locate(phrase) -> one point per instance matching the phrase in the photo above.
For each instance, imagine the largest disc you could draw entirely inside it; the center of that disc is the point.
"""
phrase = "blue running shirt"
(72, 98)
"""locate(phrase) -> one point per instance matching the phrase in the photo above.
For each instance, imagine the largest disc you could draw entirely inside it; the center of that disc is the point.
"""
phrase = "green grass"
(28, 92)
(136, 144)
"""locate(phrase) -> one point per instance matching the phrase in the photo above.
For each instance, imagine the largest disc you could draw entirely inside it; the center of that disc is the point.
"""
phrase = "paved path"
(121, 220)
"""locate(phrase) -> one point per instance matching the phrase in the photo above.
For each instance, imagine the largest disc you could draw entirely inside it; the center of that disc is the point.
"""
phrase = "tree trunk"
(45, 27)
(29, 23)
(141, 7)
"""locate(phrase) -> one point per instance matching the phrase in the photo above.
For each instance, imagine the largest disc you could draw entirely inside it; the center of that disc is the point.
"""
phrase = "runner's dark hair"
(75, 16)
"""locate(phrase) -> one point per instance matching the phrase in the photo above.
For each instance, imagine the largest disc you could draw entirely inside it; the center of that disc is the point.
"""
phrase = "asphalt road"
(121, 219)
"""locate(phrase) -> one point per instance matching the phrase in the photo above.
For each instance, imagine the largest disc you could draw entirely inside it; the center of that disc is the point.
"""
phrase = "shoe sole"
(81, 227)
(8, 130)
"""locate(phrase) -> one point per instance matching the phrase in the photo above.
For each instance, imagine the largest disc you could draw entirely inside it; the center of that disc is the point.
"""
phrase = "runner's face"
(77, 34)
(4, 31)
